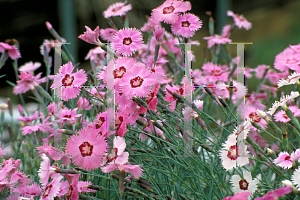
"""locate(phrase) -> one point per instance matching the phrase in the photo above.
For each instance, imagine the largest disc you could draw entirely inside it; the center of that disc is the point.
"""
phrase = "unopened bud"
(21, 110)
(222, 102)
(10, 107)
(3, 106)
(270, 151)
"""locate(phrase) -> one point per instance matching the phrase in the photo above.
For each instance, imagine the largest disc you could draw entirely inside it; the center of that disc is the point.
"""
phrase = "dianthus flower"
(282, 117)
(28, 81)
(90, 36)
(169, 10)
(282, 102)
(67, 83)
(186, 25)
(239, 196)
(52, 189)
(286, 60)
(86, 149)
(29, 67)
(285, 160)
(108, 34)
(251, 113)
(292, 79)
(127, 40)
(239, 20)
(13, 52)
(117, 9)
(275, 194)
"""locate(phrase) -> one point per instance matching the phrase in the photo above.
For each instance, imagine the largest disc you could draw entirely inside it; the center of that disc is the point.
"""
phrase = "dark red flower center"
(285, 116)
(47, 191)
(86, 149)
(101, 120)
(185, 24)
(117, 9)
(233, 152)
(118, 73)
(68, 116)
(255, 117)
(118, 122)
(136, 82)
(216, 72)
(168, 10)
(291, 61)
(243, 184)
(152, 70)
(287, 158)
(68, 80)
(127, 41)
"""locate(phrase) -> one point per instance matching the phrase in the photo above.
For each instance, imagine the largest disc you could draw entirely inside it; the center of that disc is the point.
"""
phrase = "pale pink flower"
(215, 72)
(108, 34)
(52, 189)
(239, 20)
(282, 102)
(28, 81)
(226, 31)
(67, 84)
(127, 40)
(275, 194)
(82, 186)
(285, 160)
(44, 126)
(13, 52)
(30, 118)
(97, 55)
(233, 154)
(138, 81)
(186, 25)
(64, 188)
(282, 117)
(159, 33)
(292, 79)
(260, 69)
(151, 25)
(117, 9)
(245, 183)
(275, 76)
(86, 149)
(251, 113)
(216, 39)
(287, 59)
(46, 171)
(83, 104)
(33, 190)
(29, 67)
(68, 115)
(169, 10)
(90, 36)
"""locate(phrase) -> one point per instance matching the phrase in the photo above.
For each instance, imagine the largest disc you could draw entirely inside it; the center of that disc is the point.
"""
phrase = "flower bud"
(3, 106)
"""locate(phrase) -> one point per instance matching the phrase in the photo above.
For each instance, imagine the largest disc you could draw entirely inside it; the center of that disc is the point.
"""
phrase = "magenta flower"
(239, 196)
(127, 40)
(108, 34)
(275, 194)
(239, 20)
(138, 81)
(100, 123)
(27, 81)
(83, 104)
(251, 113)
(67, 84)
(151, 100)
(282, 117)
(169, 10)
(86, 149)
(117, 9)
(285, 160)
(186, 25)
(233, 154)
(13, 52)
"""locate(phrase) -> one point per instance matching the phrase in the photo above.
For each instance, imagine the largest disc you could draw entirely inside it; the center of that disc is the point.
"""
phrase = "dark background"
(274, 26)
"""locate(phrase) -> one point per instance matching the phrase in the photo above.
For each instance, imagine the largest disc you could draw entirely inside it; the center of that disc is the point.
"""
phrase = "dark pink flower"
(239, 20)
(90, 36)
(87, 149)
(186, 25)
(67, 84)
(117, 9)
(169, 10)
(13, 52)
(127, 40)
(82, 186)
(159, 33)
(83, 104)
(239, 196)
(52, 189)
(274, 194)
(286, 160)
(282, 117)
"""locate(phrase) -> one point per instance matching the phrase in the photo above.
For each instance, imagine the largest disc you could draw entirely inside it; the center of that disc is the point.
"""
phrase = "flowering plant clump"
(141, 124)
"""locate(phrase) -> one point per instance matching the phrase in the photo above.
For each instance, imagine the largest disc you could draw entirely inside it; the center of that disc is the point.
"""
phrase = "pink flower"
(108, 34)
(44, 126)
(287, 60)
(90, 36)
(97, 55)
(239, 196)
(215, 72)
(83, 103)
(282, 117)
(186, 25)
(251, 113)
(169, 10)
(233, 154)
(33, 190)
(29, 67)
(30, 118)
(46, 171)
(67, 84)
(117, 9)
(151, 100)
(13, 52)
(216, 39)
(151, 25)
(275, 194)
(27, 81)
(127, 40)
(284, 160)
(159, 33)
(52, 189)
(239, 20)
(138, 81)
(87, 148)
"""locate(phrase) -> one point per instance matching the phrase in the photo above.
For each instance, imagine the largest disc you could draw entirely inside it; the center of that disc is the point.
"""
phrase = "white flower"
(296, 178)
(292, 79)
(245, 183)
(242, 130)
(282, 102)
(234, 154)
(286, 183)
